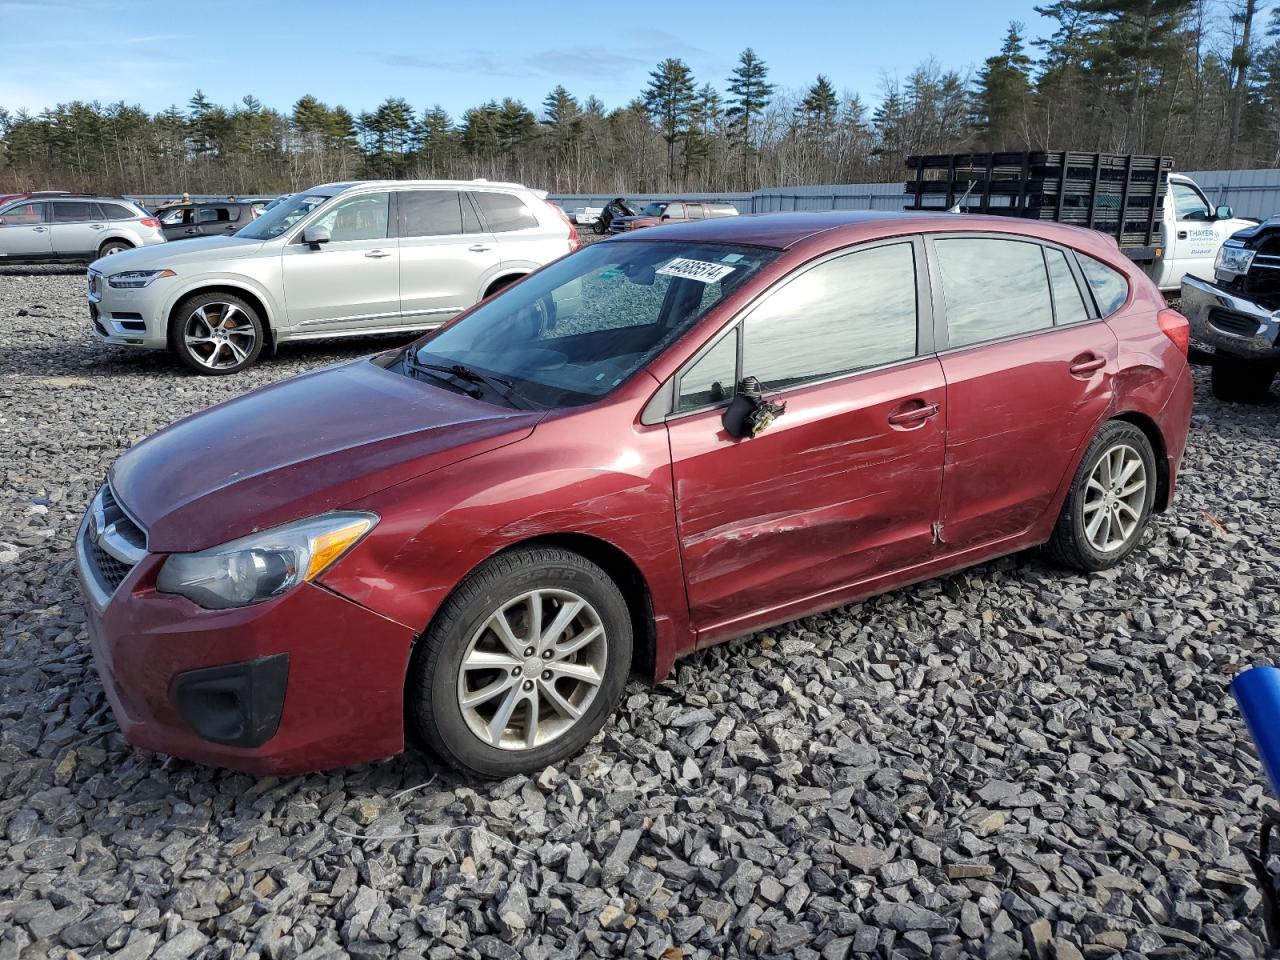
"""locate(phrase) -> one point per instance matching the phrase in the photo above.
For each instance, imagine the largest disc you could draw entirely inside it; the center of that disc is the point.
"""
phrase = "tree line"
(1197, 79)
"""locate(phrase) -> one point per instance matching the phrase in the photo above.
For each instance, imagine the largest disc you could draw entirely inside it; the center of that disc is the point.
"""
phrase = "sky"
(459, 54)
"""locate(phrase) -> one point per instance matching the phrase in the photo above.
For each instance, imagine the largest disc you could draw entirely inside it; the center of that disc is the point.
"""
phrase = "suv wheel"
(1109, 502)
(216, 333)
(1240, 381)
(112, 247)
(523, 665)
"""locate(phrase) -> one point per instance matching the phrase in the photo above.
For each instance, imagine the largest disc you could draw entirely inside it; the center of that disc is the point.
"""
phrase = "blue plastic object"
(1257, 691)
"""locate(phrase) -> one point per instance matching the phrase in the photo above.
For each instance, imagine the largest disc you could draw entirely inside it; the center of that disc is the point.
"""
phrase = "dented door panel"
(832, 493)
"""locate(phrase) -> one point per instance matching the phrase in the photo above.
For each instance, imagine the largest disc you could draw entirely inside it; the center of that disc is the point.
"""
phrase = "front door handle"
(1182, 234)
(377, 254)
(191, 231)
(479, 247)
(913, 414)
(1084, 365)
(38, 229)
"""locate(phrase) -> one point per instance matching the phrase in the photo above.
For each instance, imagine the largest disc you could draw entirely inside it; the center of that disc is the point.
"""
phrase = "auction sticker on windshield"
(698, 270)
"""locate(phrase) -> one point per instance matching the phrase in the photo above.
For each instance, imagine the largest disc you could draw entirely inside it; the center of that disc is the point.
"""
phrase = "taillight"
(574, 241)
(150, 222)
(1175, 326)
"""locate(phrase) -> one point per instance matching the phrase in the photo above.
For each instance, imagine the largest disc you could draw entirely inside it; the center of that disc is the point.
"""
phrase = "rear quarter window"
(1109, 286)
(116, 211)
(504, 212)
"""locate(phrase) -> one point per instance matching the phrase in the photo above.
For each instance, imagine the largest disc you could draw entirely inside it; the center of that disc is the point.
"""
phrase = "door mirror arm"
(750, 413)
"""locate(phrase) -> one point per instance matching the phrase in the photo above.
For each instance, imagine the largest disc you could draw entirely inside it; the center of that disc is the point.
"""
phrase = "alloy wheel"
(532, 669)
(219, 335)
(1115, 497)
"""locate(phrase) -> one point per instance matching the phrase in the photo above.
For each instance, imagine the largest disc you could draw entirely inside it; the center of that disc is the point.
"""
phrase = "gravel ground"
(1010, 761)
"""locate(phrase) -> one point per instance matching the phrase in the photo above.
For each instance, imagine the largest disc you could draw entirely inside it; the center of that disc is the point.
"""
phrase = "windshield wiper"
(499, 385)
(434, 371)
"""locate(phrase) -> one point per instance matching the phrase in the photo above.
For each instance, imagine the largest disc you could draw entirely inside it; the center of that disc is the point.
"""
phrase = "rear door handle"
(377, 254)
(38, 229)
(191, 231)
(97, 226)
(479, 247)
(910, 417)
(1084, 365)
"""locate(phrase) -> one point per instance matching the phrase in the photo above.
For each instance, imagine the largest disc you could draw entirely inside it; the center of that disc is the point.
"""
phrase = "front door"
(1197, 235)
(24, 231)
(843, 487)
(1023, 392)
(353, 281)
(445, 257)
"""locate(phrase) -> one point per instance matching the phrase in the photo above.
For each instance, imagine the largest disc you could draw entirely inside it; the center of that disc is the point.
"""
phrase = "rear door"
(351, 282)
(24, 231)
(77, 228)
(1029, 373)
(446, 258)
(526, 238)
(843, 487)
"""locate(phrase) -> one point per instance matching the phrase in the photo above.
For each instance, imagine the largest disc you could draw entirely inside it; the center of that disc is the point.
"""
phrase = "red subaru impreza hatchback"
(655, 444)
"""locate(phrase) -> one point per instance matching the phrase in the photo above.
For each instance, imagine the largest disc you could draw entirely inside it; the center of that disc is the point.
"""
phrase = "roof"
(782, 231)
(348, 184)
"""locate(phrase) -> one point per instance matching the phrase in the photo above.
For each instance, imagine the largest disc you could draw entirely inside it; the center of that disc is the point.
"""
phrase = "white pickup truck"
(1160, 219)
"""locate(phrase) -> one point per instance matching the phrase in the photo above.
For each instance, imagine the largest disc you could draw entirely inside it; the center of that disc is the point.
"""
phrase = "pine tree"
(669, 100)
(1003, 94)
(749, 93)
(819, 107)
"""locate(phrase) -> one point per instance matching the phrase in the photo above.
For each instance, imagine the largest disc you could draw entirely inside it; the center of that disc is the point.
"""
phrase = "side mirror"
(1223, 212)
(749, 414)
(314, 236)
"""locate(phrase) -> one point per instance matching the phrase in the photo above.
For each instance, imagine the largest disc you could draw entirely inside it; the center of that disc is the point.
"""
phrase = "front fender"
(235, 281)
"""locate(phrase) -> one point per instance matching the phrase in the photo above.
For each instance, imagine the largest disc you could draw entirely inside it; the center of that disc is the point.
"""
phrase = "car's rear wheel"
(1242, 381)
(216, 333)
(1109, 502)
(112, 247)
(523, 664)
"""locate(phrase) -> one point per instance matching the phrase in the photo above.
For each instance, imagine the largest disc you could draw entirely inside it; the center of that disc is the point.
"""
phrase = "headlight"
(263, 565)
(137, 278)
(1233, 259)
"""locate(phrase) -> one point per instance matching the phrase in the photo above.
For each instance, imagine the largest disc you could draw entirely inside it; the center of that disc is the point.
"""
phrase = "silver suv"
(341, 259)
(42, 229)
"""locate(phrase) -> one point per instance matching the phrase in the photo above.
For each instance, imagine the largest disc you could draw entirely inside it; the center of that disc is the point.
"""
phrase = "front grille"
(113, 544)
(1237, 324)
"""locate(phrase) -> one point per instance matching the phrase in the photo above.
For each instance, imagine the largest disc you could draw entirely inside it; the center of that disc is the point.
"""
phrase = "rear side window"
(430, 213)
(992, 288)
(850, 313)
(74, 211)
(1068, 305)
(116, 211)
(503, 212)
(1110, 287)
(693, 211)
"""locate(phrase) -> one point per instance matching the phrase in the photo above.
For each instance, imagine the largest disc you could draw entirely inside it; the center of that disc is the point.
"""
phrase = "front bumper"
(127, 317)
(1226, 323)
(307, 681)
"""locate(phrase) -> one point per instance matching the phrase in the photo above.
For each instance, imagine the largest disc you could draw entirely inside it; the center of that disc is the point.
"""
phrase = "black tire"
(112, 247)
(435, 712)
(1242, 381)
(1070, 544)
(599, 227)
(239, 349)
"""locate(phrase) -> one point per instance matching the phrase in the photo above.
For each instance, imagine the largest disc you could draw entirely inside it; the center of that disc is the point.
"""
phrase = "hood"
(1253, 230)
(201, 250)
(298, 448)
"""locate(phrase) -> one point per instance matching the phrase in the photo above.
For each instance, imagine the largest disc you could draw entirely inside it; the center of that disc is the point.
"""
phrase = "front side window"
(1188, 204)
(711, 378)
(1110, 288)
(992, 288)
(23, 214)
(359, 218)
(576, 329)
(430, 213)
(283, 216)
(654, 209)
(504, 212)
(675, 211)
(1068, 305)
(74, 211)
(846, 314)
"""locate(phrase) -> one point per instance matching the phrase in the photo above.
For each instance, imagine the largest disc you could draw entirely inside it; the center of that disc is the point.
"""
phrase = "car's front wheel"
(1109, 502)
(523, 664)
(216, 333)
(1240, 381)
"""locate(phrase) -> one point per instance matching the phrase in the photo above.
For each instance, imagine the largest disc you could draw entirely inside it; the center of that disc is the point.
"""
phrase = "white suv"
(343, 259)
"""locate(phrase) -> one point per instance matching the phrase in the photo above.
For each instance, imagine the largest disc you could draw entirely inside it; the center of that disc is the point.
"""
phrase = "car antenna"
(955, 207)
